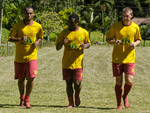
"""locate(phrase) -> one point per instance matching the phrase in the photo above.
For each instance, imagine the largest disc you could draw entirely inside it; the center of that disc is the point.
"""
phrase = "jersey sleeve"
(138, 34)
(111, 33)
(40, 33)
(60, 38)
(87, 39)
(13, 32)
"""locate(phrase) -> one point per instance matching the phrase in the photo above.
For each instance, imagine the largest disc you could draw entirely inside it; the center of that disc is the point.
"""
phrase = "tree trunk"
(2, 6)
(55, 6)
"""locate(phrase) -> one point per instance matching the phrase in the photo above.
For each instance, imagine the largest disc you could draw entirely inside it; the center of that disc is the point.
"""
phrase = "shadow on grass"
(55, 106)
(8, 105)
(86, 107)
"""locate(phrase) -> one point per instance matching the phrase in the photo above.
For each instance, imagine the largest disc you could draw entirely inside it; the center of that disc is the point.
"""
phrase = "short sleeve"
(87, 39)
(13, 32)
(111, 33)
(138, 34)
(40, 33)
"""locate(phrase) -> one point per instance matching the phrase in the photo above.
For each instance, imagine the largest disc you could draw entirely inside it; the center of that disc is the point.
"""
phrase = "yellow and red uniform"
(122, 53)
(73, 54)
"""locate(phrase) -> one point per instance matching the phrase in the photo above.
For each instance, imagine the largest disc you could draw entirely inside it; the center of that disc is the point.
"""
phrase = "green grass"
(97, 95)
(96, 36)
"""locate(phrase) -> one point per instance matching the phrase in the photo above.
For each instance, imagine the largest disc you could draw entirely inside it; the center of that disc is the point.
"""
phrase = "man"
(26, 34)
(125, 36)
(75, 39)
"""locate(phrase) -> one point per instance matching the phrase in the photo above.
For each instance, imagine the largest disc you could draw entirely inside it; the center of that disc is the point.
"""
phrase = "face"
(29, 14)
(73, 25)
(127, 16)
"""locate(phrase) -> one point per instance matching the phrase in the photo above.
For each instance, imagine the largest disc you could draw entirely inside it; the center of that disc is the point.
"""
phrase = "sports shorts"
(72, 74)
(118, 69)
(25, 70)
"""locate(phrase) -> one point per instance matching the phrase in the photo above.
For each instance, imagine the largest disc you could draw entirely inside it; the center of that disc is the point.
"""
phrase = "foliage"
(13, 12)
(145, 31)
(64, 14)
(5, 34)
(50, 22)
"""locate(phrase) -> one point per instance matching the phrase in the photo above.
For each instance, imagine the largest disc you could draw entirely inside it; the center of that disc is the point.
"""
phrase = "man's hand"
(133, 45)
(37, 42)
(66, 40)
(24, 38)
(84, 46)
(118, 42)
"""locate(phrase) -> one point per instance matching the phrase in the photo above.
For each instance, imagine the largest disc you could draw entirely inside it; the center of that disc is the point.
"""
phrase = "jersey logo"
(73, 46)
(125, 41)
(29, 42)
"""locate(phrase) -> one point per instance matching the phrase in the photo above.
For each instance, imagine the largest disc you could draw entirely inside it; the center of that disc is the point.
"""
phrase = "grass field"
(97, 95)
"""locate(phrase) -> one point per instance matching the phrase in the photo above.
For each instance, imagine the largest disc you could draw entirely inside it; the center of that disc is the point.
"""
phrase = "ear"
(131, 16)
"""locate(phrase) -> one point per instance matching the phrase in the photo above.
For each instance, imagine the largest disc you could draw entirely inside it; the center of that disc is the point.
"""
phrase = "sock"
(118, 91)
(27, 98)
(77, 99)
(22, 97)
(71, 101)
(127, 89)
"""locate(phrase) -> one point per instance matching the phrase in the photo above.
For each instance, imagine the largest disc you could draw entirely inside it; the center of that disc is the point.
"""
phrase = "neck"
(77, 29)
(126, 23)
(28, 22)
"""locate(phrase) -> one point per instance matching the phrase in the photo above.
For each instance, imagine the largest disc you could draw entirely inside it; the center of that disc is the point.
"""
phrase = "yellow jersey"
(26, 51)
(73, 53)
(127, 34)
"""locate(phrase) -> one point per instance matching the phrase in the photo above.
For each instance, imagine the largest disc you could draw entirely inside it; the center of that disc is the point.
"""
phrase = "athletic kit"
(26, 51)
(123, 54)
(73, 54)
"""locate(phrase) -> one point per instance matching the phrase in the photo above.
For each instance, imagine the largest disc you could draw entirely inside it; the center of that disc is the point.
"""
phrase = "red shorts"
(25, 70)
(72, 74)
(118, 69)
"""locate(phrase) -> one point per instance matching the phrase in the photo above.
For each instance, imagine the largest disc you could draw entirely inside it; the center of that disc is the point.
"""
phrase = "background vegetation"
(97, 16)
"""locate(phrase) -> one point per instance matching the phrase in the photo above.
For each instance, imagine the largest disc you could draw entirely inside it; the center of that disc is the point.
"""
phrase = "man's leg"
(77, 87)
(127, 88)
(21, 86)
(29, 86)
(69, 90)
(118, 91)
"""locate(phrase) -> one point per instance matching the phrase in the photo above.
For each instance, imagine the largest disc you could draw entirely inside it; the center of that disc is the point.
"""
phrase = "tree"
(50, 22)
(2, 6)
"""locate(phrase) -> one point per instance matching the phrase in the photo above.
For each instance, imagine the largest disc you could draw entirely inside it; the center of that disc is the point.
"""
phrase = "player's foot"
(70, 106)
(22, 101)
(126, 102)
(71, 102)
(119, 107)
(26, 103)
(77, 100)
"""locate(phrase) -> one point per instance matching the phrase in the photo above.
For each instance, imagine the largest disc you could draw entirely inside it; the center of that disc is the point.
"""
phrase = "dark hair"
(28, 7)
(75, 16)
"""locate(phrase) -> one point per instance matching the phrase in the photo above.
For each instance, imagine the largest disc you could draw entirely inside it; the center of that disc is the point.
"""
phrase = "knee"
(119, 83)
(129, 80)
(30, 80)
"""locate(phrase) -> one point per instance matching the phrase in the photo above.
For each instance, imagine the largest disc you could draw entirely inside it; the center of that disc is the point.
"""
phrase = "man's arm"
(113, 41)
(134, 44)
(15, 39)
(37, 42)
(85, 46)
(59, 45)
